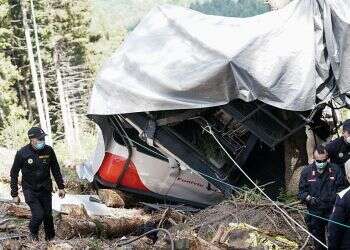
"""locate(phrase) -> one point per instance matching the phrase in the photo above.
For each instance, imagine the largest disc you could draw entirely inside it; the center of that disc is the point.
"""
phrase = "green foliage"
(111, 20)
(69, 22)
(66, 22)
(13, 134)
(231, 8)
(250, 194)
(9, 73)
(8, 76)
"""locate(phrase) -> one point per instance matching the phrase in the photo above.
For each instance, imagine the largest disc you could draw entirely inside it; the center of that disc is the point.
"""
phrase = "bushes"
(13, 134)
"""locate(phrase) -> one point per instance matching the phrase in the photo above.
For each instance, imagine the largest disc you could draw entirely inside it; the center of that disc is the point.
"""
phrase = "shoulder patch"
(343, 192)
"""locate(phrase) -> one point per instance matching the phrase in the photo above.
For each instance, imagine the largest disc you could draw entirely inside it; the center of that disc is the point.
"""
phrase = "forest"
(50, 52)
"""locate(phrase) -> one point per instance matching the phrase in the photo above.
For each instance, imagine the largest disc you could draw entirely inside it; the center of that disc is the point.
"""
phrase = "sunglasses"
(321, 161)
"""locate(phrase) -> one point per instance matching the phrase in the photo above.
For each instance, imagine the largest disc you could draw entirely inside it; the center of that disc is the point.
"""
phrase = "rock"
(111, 198)
(60, 246)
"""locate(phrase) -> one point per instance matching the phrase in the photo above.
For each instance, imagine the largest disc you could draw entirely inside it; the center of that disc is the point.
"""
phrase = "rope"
(147, 233)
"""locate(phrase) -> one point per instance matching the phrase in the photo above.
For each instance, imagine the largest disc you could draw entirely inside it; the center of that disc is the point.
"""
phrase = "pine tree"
(231, 8)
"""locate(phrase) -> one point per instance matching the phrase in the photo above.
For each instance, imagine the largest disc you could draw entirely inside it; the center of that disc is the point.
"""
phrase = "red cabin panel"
(112, 167)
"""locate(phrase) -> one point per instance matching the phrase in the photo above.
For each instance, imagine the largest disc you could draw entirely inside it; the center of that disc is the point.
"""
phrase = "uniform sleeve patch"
(44, 156)
(311, 180)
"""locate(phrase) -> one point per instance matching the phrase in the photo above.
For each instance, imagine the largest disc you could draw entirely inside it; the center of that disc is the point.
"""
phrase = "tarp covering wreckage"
(178, 58)
(250, 80)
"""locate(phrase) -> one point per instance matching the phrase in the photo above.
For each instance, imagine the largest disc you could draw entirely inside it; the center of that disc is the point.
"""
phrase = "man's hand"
(61, 193)
(54, 187)
(312, 201)
(16, 200)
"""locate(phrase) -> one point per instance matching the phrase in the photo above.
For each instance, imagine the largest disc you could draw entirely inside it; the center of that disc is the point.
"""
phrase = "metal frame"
(232, 109)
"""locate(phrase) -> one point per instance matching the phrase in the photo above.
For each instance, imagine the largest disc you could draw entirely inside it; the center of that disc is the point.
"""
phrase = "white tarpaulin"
(178, 58)
(337, 23)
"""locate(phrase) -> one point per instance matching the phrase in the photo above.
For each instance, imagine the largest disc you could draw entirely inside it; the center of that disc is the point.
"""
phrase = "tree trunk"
(295, 157)
(32, 66)
(67, 133)
(20, 211)
(20, 94)
(27, 98)
(70, 119)
(76, 126)
(69, 227)
(42, 79)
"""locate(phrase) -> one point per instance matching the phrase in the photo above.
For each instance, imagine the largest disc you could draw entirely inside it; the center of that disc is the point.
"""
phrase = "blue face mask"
(40, 145)
(321, 165)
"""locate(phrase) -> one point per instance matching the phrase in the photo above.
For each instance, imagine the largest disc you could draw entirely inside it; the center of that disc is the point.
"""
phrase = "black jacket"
(338, 235)
(323, 187)
(338, 151)
(35, 166)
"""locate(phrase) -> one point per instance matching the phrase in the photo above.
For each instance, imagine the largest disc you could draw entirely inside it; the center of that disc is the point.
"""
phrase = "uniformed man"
(339, 149)
(318, 186)
(339, 224)
(35, 161)
(339, 234)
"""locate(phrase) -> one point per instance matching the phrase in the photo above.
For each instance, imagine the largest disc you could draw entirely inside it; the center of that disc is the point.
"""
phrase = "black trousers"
(317, 226)
(40, 203)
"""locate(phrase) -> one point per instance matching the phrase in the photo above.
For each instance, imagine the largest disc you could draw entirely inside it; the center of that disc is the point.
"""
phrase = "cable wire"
(209, 130)
(238, 189)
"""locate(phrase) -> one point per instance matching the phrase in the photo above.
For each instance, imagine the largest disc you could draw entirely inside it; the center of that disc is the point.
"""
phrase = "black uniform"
(323, 187)
(339, 236)
(35, 166)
